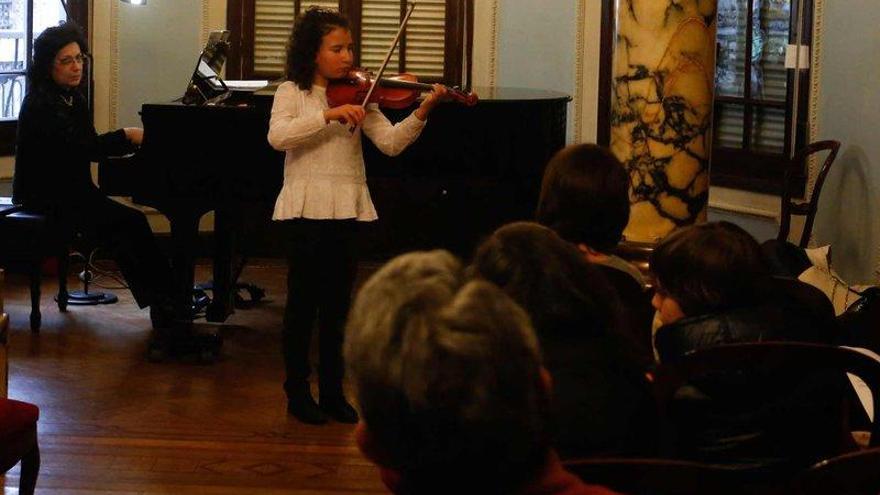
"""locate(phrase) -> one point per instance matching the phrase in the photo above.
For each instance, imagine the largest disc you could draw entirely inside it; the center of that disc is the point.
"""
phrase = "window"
(754, 93)
(21, 21)
(755, 101)
(431, 47)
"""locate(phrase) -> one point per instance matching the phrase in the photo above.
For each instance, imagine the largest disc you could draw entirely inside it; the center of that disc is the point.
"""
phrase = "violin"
(396, 92)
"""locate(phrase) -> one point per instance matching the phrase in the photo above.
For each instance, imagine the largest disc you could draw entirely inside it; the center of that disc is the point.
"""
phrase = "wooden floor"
(113, 423)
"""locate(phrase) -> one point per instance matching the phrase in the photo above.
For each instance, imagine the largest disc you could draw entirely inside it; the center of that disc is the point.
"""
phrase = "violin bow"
(411, 7)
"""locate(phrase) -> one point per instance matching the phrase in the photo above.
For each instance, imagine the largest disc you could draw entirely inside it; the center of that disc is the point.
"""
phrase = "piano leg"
(184, 238)
(226, 225)
(182, 338)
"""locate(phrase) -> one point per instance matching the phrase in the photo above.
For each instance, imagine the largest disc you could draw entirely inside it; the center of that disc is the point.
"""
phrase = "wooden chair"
(806, 209)
(4, 347)
(857, 473)
(671, 477)
(18, 442)
(769, 358)
(18, 424)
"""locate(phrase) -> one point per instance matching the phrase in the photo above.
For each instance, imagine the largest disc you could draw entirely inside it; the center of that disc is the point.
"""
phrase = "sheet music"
(241, 85)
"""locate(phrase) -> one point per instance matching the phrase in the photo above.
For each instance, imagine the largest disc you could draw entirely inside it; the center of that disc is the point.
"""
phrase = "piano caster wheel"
(256, 293)
(156, 353)
(208, 347)
(36, 321)
(208, 356)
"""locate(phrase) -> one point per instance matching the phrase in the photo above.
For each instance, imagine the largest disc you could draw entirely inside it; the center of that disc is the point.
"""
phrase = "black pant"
(126, 233)
(321, 266)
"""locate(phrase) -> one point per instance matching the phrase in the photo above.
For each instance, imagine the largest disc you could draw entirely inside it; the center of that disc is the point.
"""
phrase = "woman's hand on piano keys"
(135, 135)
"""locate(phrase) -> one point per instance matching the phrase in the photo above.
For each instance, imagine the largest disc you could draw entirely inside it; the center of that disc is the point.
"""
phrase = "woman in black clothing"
(55, 146)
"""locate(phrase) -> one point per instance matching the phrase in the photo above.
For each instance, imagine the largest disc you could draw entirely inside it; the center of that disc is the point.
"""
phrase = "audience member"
(713, 288)
(448, 376)
(602, 401)
(585, 199)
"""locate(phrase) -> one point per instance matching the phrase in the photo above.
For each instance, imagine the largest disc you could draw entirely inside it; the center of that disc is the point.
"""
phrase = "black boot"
(337, 407)
(303, 407)
(162, 314)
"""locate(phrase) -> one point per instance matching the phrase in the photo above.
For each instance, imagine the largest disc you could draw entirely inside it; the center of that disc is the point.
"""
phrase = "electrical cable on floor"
(98, 272)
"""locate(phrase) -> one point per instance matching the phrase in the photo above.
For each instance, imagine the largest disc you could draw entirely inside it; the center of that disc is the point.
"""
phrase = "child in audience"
(448, 376)
(602, 402)
(713, 288)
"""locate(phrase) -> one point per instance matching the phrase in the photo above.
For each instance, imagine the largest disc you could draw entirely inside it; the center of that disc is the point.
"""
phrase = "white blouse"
(324, 174)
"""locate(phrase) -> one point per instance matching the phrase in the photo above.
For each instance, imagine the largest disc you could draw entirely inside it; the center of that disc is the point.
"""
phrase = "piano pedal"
(201, 301)
(255, 295)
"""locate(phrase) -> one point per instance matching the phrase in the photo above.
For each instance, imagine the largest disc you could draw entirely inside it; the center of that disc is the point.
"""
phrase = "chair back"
(807, 209)
(4, 342)
(766, 357)
(856, 473)
(670, 477)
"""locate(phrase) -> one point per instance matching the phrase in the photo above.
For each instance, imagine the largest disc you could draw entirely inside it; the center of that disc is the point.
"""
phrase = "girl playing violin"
(323, 198)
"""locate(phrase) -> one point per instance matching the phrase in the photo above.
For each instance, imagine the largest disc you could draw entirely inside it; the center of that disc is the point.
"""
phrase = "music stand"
(206, 85)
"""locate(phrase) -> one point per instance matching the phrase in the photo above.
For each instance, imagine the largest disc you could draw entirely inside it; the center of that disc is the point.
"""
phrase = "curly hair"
(305, 41)
(47, 46)
(585, 197)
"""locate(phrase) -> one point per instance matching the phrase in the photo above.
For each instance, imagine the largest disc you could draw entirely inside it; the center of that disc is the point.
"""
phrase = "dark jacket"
(785, 421)
(602, 401)
(636, 302)
(55, 146)
(793, 311)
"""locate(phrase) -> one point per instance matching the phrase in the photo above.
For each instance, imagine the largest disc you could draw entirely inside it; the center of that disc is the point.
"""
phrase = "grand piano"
(472, 169)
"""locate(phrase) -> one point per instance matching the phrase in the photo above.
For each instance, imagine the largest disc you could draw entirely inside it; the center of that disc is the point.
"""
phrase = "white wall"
(147, 54)
(849, 111)
(537, 46)
(158, 47)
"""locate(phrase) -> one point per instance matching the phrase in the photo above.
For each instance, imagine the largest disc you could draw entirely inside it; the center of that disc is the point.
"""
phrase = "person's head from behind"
(320, 48)
(59, 56)
(585, 197)
(447, 373)
(563, 294)
(706, 268)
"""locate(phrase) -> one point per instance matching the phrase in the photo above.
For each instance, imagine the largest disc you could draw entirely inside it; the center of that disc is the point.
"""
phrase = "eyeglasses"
(79, 59)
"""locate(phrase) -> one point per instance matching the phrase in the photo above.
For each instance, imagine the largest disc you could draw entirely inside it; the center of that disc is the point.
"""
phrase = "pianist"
(55, 146)
(323, 199)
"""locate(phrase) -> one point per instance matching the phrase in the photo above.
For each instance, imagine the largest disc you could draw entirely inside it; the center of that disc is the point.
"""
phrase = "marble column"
(661, 110)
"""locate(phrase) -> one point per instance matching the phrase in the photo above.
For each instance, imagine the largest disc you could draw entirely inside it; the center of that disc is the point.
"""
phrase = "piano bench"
(38, 241)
